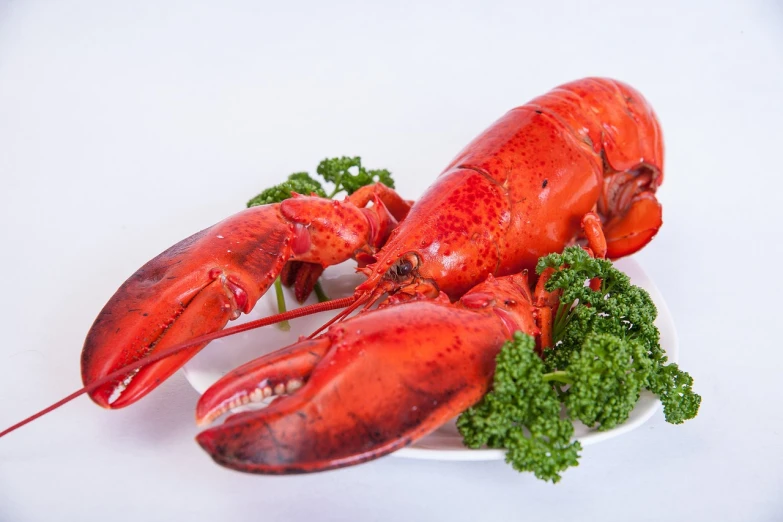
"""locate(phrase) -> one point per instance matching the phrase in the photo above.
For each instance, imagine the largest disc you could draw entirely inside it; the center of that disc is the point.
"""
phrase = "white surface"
(126, 126)
(445, 443)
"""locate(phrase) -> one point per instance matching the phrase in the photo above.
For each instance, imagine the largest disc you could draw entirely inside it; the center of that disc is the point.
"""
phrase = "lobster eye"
(404, 268)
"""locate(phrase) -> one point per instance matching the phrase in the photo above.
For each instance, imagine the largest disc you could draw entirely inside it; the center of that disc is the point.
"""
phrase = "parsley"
(607, 350)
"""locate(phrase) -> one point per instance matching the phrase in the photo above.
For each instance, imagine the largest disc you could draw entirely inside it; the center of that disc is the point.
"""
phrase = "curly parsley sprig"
(347, 174)
(299, 182)
(620, 309)
(522, 415)
(607, 350)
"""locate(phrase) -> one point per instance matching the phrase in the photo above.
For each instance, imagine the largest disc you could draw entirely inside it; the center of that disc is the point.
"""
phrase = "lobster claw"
(199, 284)
(192, 288)
(360, 391)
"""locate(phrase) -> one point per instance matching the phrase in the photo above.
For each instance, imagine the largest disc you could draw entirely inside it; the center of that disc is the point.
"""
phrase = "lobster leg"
(198, 285)
(591, 224)
(545, 301)
(302, 276)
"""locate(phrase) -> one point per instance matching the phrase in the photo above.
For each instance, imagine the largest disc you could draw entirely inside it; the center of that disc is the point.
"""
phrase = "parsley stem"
(559, 376)
(337, 187)
(562, 316)
(283, 325)
(319, 292)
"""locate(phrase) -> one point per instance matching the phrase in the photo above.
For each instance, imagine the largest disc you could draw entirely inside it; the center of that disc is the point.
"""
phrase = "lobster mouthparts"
(363, 389)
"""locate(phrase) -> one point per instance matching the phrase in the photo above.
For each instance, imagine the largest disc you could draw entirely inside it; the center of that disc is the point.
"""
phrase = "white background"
(127, 126)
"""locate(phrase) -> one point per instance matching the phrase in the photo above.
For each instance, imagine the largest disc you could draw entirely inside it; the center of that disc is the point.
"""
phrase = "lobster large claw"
(199, 284)
(370, 385)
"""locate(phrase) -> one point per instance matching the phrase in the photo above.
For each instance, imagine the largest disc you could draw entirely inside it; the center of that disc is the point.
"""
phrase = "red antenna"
(122, 372)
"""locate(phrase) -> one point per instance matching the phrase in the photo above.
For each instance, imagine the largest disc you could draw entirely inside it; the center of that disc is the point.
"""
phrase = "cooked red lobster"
(580, 164)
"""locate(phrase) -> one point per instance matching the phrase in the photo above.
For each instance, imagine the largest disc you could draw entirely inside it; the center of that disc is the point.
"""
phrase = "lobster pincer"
(199, 284)
(368, 386)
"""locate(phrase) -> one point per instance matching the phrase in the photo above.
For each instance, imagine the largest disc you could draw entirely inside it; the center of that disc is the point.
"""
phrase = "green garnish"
(619, 309)
(319, 292)
(299, 182)
(607, 350)
(283, 325)
(348, 175)
(522, 414)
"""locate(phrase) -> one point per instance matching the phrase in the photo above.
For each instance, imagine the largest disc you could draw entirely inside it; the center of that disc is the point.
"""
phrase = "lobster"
(578, 165)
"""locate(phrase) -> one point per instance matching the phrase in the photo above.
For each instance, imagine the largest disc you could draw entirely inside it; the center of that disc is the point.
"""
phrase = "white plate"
(445, 443)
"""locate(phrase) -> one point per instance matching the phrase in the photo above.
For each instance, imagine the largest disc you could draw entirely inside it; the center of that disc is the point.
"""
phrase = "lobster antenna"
(122, 372)
(342, 315)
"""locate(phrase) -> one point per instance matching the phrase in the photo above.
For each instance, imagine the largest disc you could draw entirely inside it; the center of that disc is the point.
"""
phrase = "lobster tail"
(617, 124)
(631, 144)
